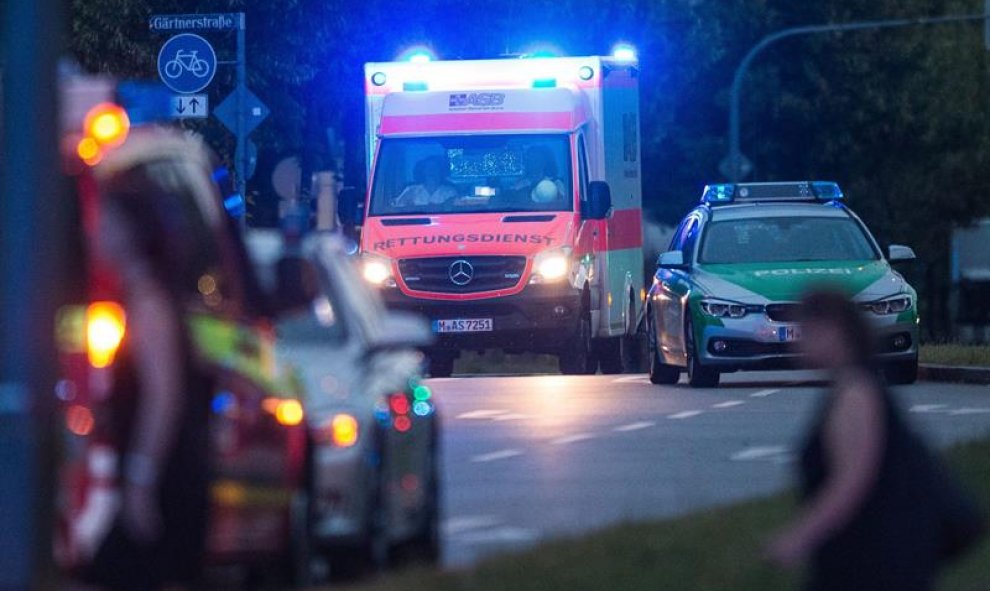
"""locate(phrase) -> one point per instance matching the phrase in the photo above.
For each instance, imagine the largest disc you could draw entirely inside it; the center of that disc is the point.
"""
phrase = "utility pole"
(735, 165)
(30, 241)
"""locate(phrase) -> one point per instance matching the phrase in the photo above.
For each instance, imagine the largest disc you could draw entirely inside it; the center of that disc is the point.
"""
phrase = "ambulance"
(504, 204)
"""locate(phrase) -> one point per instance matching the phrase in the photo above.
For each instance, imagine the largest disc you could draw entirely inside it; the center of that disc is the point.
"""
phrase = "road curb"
(949, 373)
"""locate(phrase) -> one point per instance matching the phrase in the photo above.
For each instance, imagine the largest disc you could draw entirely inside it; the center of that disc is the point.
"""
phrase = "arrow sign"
(190, 106)
(255, 111)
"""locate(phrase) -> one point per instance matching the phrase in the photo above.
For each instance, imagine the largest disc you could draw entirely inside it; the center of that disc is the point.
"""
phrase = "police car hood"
(467, 234)
(761, 282)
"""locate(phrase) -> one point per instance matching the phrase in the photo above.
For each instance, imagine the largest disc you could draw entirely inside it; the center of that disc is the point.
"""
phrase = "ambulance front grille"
(468, 274)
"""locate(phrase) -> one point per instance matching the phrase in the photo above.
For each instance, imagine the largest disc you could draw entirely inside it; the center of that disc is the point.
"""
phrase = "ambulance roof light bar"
(624, 52)
(723, 194)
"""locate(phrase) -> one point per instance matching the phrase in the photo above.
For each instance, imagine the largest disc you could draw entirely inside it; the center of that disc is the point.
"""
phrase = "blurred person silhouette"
(157, 222)
(431, 185)
(879, 512)
(539, 182)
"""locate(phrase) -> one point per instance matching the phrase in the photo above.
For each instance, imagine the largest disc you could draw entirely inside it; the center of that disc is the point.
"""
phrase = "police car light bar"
(756, 192)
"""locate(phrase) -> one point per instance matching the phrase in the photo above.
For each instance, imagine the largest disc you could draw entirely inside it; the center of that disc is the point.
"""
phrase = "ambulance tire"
(610, 355)
(578, 357)
(441, 366)
(699, 376)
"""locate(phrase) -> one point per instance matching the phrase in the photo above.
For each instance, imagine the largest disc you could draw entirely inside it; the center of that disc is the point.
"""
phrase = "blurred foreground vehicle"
(376, 466)
(256, 447)
(725, 295)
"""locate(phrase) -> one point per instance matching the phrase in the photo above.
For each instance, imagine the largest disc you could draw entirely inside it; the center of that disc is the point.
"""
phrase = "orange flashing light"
(89, 151)
(105, 327)
(107, 124)
(344, 430)
(287, 412)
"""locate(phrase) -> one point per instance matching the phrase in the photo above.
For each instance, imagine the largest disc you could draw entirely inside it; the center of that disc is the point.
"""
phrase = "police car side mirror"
(672, 259)
(898, 252)
(296, 284)
(599, 201)
(350, 207)
(400, 330)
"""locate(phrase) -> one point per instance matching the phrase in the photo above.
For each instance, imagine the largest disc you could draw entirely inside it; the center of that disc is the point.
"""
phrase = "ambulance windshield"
(472, 174)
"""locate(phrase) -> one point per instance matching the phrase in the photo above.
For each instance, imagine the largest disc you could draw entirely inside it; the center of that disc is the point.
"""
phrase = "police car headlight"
(551, 265)
(376, 270)
(887, 306)
(722, 309)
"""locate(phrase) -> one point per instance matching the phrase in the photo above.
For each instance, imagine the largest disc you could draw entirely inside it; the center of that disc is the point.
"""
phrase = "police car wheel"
(901, 373)
(699, 376)
(660, 373)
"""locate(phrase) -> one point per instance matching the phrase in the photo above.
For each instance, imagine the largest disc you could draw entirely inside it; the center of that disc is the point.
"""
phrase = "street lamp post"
(736, 165)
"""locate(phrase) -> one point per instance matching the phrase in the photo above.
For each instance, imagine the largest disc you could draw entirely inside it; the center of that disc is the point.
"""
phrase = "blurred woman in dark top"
(867, 521)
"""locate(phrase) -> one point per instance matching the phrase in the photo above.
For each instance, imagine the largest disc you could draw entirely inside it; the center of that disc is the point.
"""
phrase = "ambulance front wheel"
(441, 365)
(577, 357)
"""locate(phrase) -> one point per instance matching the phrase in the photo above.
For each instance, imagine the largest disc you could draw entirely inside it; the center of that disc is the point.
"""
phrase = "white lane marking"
(573, 438)
(970, 411)
(765, 393)
(482, 414)
(759, 453)
(497, 455)
(511, 417)
(927, 408)
(634, 426)
(728, 404)
(687, 414)
(444, 379)
(504, 535)
(459, 525)
(632, 380)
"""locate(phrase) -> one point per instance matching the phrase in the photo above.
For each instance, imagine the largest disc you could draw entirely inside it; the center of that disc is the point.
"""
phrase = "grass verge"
(713, 550)
(953, 354)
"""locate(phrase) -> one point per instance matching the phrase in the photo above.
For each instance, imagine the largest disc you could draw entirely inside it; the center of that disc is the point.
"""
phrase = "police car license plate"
(788, 334)
(463, 325)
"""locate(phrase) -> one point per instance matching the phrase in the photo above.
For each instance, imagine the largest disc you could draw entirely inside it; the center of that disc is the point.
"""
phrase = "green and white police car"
(724, 297)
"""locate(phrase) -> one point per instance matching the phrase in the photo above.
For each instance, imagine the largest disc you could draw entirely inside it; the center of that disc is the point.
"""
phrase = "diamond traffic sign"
(187, 63)
(254, 111)
(190, 106)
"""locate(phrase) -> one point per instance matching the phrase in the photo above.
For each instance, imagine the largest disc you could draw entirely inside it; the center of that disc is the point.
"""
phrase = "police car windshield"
(472, 174)
(785, 239)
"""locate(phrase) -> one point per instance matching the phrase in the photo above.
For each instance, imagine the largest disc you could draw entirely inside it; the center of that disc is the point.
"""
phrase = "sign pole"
(31, 250)
(241, 155)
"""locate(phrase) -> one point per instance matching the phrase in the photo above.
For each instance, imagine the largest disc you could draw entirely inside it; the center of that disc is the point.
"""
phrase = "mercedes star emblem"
(461, 272)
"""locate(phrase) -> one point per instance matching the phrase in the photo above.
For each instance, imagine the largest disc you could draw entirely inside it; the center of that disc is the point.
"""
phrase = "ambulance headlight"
(551, 265)
(377, 270)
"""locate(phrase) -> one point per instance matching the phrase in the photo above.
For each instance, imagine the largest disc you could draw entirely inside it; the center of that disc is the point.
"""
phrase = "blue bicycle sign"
(187, 63)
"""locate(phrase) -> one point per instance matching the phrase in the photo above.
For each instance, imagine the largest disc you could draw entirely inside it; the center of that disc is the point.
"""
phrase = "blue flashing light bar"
(417, 55)
(765, 192)
(624, 52)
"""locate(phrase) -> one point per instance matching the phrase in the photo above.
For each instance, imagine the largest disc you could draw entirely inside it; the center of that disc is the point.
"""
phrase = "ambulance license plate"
(788, 334)
(463, 325)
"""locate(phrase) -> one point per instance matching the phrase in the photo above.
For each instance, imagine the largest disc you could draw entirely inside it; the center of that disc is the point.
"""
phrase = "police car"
(724, 297)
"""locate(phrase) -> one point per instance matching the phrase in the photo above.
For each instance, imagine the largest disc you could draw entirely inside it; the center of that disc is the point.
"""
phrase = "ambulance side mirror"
(296, 284)
(350, 207)
(599, 201)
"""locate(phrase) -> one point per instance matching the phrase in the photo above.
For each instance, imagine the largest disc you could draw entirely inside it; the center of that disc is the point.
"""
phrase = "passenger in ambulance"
(431, 185)
(540, 181)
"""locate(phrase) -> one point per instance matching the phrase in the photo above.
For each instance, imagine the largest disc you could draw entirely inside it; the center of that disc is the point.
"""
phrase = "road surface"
(535, 457)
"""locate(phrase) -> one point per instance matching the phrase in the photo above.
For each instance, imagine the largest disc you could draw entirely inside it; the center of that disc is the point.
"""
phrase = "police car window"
(472, 174)
(786, 239)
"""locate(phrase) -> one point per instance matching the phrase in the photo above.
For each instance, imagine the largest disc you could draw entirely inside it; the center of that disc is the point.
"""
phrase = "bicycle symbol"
(187, 61)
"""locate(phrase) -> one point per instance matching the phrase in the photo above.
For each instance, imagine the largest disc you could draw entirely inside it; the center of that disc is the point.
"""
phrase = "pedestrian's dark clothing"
(176, 556)
(893, 540)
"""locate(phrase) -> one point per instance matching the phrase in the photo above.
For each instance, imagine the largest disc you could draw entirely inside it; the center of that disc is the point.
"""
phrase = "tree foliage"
(897, 116)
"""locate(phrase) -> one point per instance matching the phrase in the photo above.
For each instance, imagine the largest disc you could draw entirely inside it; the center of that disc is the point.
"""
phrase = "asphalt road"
(536, 457)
